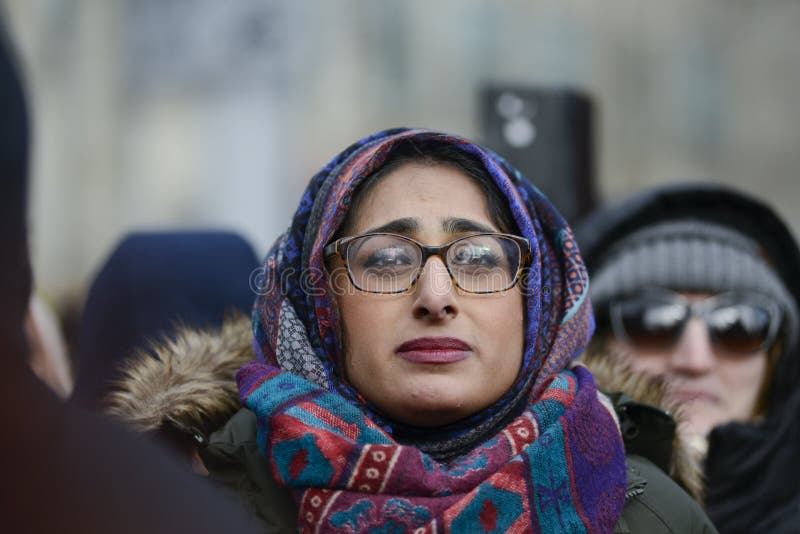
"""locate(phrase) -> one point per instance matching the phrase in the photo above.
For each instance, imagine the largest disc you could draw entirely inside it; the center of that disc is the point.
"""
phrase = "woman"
(414, 336)
(698, 283)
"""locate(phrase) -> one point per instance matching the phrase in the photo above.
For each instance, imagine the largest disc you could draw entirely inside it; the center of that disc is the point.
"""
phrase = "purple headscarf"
(550, 421)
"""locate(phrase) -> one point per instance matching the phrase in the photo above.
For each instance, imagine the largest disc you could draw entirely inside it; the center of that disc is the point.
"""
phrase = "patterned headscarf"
(547, 455)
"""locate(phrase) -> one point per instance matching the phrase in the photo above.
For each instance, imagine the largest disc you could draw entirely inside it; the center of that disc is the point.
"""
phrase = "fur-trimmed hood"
(612, 375)
(190, 387)
(189, 384)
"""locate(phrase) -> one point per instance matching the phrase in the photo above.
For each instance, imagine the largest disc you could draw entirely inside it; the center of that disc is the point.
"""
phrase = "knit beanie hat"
(689, 255)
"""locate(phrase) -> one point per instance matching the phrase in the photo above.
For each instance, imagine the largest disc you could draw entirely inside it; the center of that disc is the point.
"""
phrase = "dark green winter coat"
(654, 503)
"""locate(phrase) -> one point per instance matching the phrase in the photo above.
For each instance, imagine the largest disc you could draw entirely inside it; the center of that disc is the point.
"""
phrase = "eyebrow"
(411, 225)
(406, 225)
(455, 225)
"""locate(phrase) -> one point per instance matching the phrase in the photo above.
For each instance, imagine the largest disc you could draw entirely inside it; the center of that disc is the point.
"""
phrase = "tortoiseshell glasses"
(391, 263)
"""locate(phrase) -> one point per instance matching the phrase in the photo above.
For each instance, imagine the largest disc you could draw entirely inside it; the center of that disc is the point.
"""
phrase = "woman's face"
(715, 385)
(434, 354)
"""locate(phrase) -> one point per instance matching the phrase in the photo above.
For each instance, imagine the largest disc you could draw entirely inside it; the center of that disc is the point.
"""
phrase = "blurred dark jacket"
(751, 470)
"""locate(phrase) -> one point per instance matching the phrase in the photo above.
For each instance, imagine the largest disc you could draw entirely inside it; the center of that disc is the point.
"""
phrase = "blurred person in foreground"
(415, 332)
(64, 470)
(700, 284)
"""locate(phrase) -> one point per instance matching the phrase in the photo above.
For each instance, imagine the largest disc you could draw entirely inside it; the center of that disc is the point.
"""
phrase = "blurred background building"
(175, 114)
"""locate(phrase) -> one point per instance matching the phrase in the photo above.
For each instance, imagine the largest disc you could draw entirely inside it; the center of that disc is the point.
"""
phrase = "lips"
(691, 395)
(434, 350)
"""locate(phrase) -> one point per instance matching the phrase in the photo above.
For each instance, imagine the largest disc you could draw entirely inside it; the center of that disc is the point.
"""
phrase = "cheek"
(354, 321)
(743, 375)
(365, 327)
(740, 382)
(503, 323)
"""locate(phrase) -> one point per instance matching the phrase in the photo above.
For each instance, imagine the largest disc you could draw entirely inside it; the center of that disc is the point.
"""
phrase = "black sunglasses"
(737, 322)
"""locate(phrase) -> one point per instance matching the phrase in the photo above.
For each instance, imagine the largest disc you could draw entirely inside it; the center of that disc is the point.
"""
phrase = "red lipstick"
(434, 350)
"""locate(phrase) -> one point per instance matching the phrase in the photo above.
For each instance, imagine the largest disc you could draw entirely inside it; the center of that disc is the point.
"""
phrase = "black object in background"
(548, 135)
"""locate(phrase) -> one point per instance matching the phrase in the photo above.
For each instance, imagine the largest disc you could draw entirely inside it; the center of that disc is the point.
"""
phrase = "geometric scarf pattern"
(549, 470)
(547, 454)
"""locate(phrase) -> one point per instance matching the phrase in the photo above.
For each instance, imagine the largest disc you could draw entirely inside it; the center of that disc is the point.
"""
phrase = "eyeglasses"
(391, 263)
(738, 322)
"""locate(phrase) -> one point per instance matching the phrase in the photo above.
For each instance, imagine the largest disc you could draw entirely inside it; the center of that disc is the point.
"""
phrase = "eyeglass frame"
(339, 248)
(699, 309)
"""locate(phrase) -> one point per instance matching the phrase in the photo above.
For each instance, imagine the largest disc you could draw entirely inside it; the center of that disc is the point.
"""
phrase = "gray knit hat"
(688, 255)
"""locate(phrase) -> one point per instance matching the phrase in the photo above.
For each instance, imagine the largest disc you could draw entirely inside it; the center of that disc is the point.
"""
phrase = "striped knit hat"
(688, 255)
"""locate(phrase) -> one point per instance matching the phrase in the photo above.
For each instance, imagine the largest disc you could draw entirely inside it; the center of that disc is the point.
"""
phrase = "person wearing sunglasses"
(415, 333)
(698, 284)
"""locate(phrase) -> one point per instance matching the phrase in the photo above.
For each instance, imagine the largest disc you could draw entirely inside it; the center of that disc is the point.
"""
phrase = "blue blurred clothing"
(151, 283)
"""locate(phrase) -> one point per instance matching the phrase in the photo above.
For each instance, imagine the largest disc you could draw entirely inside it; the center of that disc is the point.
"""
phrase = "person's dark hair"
(438, 153)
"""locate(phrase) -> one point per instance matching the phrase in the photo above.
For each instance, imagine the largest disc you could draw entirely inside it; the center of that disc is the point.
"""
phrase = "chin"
(429, 407)
(429, 416)
(700, 426)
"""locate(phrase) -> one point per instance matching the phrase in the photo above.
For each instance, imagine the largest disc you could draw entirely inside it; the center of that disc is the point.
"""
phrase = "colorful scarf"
(545, 457)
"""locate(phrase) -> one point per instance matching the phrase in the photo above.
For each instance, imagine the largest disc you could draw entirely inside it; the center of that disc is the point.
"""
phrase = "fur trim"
(613, 374)
(189, 385)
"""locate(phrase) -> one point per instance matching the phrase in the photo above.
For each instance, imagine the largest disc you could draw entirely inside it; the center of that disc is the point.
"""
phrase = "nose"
(694, 353)
(435, 296)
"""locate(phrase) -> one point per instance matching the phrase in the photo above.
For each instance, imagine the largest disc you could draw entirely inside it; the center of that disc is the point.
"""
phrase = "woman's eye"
(476, 255)
(387, 257)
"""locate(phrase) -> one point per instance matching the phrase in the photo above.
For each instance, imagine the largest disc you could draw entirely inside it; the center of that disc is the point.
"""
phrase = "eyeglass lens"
(652, 323)
(390, 264)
